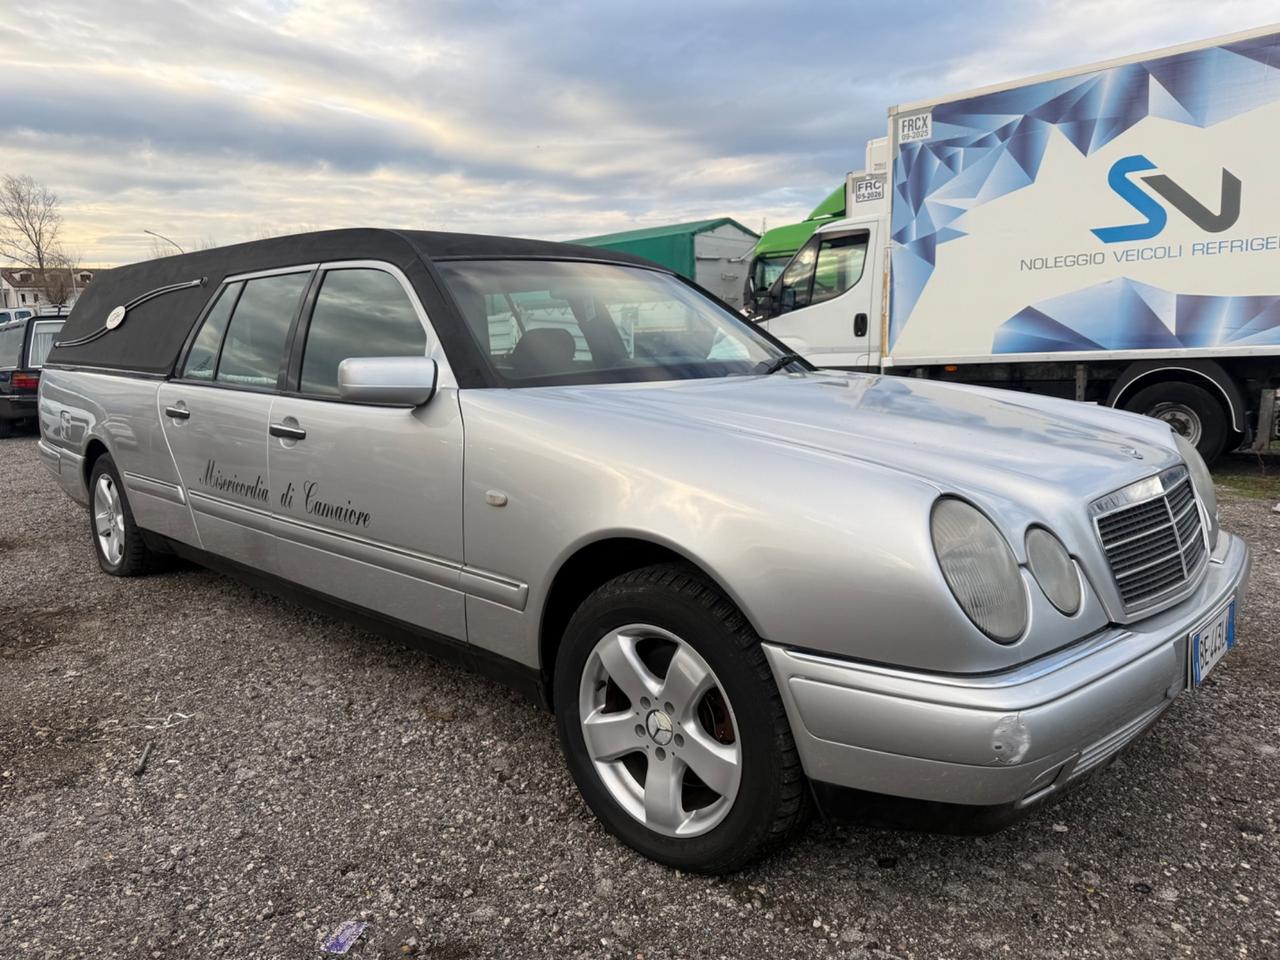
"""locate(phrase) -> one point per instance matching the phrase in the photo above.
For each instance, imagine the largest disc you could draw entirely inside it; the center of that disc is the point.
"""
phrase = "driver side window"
(797, 278)
(825, 267)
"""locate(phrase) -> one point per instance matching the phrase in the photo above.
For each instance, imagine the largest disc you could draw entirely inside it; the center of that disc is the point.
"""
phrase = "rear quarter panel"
(78, 407)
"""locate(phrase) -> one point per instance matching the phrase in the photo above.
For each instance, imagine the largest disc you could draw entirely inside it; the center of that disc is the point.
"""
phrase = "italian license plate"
(1210, 643)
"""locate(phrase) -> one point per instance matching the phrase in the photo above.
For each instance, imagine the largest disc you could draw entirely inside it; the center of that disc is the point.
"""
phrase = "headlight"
(1052, 567)
(980, 569)
(1202, 480)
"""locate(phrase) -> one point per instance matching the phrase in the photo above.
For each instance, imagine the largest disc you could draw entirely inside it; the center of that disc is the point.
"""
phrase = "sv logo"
(1204, 218)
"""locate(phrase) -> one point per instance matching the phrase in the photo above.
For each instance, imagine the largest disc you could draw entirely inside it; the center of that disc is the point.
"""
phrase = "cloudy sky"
(223, 120)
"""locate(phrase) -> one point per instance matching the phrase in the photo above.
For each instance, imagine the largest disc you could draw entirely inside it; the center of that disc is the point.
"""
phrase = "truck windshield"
(769, 269)
(544, 322)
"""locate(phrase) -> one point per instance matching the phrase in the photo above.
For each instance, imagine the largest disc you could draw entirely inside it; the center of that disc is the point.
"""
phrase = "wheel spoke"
(103, 525)
(686, 681)
(716, 764)
(662, 788)
(610, 735)
(626, 669)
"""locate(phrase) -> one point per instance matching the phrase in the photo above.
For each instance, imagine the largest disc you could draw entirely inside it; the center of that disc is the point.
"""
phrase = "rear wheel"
(6, 428)
(1190, 410)
(672, 725)
(117, 541)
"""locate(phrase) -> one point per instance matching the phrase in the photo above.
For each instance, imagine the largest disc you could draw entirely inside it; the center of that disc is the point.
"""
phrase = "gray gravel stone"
(325, 774)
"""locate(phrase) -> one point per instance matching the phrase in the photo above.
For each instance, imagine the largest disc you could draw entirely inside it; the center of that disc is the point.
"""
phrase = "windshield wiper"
(767, 367)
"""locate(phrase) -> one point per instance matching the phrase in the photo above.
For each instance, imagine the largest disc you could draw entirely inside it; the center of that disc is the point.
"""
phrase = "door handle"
(287, 432)
(860, 325)
(177, 413)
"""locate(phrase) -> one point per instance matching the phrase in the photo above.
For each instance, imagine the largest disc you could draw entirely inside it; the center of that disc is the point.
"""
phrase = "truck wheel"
(117, 541)
(1190, 410)
(672, 725)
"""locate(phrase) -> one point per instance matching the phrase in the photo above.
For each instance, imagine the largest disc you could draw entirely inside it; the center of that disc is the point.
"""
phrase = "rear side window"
(43, 334)
(202, 361)
(254, 346)
(11, 343)
(359, 312)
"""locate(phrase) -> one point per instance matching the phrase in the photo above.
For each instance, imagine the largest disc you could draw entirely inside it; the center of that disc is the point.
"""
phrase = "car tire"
(666, 631)
(1190, 410)
(117, 540)
(6, 428)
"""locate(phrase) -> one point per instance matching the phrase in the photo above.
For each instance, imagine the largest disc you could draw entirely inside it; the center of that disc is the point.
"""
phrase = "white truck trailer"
(1109, 233)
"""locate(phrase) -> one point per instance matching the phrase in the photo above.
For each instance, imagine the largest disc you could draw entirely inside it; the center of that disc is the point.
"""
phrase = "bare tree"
(29, 221)
(57, 286)
(59, 278)
(161, 248)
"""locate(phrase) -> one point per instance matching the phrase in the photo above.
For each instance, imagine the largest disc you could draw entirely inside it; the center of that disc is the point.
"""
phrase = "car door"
(825, 297)
(216, 413)
(368, 498)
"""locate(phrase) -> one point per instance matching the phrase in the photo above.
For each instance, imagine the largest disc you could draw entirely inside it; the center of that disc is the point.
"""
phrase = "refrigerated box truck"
(1109, 233)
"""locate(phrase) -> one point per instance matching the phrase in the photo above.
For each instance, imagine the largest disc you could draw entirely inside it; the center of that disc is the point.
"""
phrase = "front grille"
(1152, 536)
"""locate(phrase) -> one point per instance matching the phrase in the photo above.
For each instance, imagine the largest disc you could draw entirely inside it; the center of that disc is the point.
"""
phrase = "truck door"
(367, 498)
(215, 415)
(825, 301)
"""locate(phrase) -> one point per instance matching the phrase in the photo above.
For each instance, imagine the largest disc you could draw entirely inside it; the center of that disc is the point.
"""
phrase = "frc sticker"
(868, 189)
(918, 126)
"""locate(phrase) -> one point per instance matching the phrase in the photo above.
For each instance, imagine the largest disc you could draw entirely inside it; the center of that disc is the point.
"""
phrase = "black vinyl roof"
(157, 323)
(435, 245)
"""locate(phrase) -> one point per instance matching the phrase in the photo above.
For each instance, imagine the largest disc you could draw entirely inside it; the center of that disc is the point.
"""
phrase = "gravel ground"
(305, 773)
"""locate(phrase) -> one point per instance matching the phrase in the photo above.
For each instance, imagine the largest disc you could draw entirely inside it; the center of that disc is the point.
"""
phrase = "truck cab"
(775, 248)
(827, 302)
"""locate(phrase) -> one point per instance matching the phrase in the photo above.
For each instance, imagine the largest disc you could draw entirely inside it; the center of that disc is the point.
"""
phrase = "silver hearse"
(729, 574)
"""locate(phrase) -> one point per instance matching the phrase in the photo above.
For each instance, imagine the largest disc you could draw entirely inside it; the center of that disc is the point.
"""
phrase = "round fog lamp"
(1052, 567)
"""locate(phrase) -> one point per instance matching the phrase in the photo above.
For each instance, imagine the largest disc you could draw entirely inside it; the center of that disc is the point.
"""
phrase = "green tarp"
(670, 245)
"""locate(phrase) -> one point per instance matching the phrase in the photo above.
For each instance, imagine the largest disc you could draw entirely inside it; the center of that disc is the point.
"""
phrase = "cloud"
(553, 119)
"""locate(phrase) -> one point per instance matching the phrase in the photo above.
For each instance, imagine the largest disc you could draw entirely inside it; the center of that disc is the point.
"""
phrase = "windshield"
(769, 269)
(540, 322)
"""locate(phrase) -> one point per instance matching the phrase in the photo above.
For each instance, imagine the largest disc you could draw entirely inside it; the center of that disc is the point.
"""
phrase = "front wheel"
(672, 725)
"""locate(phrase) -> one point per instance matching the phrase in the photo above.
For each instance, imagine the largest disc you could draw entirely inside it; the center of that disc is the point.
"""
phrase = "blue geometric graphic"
(989, 146)
(1126, 315)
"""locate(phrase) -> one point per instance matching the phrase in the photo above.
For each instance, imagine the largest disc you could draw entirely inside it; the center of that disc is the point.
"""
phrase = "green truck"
(777, 246)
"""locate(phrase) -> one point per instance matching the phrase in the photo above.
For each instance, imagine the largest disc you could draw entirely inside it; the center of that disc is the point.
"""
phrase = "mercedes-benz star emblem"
(659, 726)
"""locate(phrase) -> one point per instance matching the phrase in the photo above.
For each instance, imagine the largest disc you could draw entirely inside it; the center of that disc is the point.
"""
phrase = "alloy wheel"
(108, 519)
(660, 730)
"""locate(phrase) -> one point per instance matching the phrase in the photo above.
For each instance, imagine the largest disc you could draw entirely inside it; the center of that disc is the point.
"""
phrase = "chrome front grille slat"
(1154, 543)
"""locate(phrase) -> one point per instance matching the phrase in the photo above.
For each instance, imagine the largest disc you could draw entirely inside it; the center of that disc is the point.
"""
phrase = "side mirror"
(764, 303)
(396, 381)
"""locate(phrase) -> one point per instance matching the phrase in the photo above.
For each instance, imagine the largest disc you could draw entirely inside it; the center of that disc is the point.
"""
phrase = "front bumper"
(1010, 737)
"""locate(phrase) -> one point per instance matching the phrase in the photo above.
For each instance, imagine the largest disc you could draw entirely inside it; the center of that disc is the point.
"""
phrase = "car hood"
(1013, 446)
